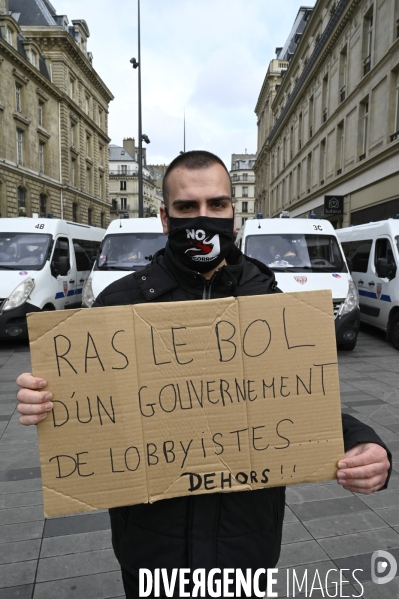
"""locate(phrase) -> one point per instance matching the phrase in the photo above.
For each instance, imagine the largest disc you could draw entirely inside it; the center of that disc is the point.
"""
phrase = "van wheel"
(347, 346)
(48, 308)
(394, 331)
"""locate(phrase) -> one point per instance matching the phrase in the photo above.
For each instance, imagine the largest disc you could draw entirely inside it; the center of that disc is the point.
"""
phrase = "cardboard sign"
(161, 400)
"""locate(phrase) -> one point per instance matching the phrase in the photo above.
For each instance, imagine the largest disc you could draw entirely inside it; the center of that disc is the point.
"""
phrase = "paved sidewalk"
(325, 527)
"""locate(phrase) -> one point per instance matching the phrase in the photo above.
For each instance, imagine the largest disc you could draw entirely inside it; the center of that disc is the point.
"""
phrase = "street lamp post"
(140, 156)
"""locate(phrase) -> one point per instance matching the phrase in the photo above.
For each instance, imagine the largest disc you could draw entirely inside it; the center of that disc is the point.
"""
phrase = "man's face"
(200, 192)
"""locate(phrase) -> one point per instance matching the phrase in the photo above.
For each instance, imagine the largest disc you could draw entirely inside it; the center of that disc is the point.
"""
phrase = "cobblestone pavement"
(326, 527)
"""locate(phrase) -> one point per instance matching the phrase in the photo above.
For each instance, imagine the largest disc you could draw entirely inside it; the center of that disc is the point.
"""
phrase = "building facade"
(329, 123)
(243, 184)
(124, 186)
(53, 117)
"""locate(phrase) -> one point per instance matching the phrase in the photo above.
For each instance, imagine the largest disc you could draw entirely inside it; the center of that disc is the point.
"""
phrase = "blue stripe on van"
(372, 295)
(60, 294)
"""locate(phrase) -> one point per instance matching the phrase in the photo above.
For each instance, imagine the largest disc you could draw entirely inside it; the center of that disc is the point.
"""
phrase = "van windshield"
(23, 251)
(129, 251)
(297, 252)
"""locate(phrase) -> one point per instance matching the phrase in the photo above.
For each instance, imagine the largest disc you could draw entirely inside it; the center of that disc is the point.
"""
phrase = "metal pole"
(140, 158)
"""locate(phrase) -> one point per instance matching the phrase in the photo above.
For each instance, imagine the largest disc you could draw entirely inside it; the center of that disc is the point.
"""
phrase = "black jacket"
(235, 530)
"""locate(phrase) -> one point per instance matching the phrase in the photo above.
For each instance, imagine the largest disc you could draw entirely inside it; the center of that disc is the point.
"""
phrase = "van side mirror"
(61, 266)
(385, 269)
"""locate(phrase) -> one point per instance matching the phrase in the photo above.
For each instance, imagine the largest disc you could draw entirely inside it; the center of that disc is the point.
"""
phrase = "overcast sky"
(207, 57)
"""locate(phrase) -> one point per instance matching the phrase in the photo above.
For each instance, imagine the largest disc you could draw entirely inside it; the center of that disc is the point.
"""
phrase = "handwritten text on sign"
(161, 400)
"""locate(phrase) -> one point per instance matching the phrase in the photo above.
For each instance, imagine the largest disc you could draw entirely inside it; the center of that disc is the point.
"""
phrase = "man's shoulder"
(137, 287)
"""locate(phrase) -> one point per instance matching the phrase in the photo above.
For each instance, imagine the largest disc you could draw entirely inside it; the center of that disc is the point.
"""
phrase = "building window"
(73, 171)
(368, 37)
(245, 192)
(364, 111)
(311, 113)
(101, 185)
(245, 176)
(100, 117)
(123, 186)
(71, 88)
(340, 147)
(20, 144)
(21, 202)
(233, 192)
(323, 144)
(41, 157)
(87, 104)
(75, 212)
(89, 215)
(101, 153)
(324, 98)
(40, 110)
(300, 132)
(397, 105)
(124, 169)
(88, 145)
(32, 57)
(343, 68)
(18, 97)
(73, 128)
(42, 205)
(102, 220)
(9, 36)
(123, 203)
(88, 180)
(244, 207)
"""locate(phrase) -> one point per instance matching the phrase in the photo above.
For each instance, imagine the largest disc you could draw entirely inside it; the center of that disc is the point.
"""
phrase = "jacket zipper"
(207, 290)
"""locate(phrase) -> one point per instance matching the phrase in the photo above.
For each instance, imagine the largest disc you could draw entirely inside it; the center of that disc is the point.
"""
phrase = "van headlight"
(352, 300)
(88, 296)
(19, 295)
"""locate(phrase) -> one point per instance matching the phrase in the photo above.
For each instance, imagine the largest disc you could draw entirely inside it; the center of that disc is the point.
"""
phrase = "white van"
(305, 255)
(44, 264)
(372, 252)
(128, 245)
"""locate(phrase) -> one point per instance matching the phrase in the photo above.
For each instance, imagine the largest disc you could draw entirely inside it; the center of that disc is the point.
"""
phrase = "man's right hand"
(33, 402)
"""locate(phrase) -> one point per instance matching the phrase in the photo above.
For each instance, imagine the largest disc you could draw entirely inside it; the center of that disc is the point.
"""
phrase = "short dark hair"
(193, 160)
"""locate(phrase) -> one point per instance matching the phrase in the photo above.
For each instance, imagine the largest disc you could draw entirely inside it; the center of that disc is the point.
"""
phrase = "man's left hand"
(364, 468)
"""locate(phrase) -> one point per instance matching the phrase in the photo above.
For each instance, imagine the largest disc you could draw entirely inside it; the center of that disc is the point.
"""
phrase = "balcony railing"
(130, 173)
(120, 209)
(238, 178)
(366, 64)
(395, 136)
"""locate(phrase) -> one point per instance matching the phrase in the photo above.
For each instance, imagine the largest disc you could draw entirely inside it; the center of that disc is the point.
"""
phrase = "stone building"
(243, 183)
(328, 121)
(123, 182)
(53, 117)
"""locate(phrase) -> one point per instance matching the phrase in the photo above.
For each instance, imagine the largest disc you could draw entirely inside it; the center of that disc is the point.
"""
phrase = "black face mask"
(201, 243)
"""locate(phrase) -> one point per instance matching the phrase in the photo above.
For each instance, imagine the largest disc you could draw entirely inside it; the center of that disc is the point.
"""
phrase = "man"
(232, 530)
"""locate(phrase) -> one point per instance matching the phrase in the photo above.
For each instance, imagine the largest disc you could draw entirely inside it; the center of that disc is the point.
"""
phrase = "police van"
(128, 245)
(305, 255)
(372, 252)
(44, 264)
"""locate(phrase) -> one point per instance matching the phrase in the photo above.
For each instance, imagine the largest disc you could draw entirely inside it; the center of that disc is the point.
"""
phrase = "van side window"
(383, 249)
(61, 249)
(358, 253)
(89, 249)
(82, 259)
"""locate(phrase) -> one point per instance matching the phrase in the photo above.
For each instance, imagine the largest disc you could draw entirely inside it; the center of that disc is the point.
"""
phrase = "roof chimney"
(128, 144)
